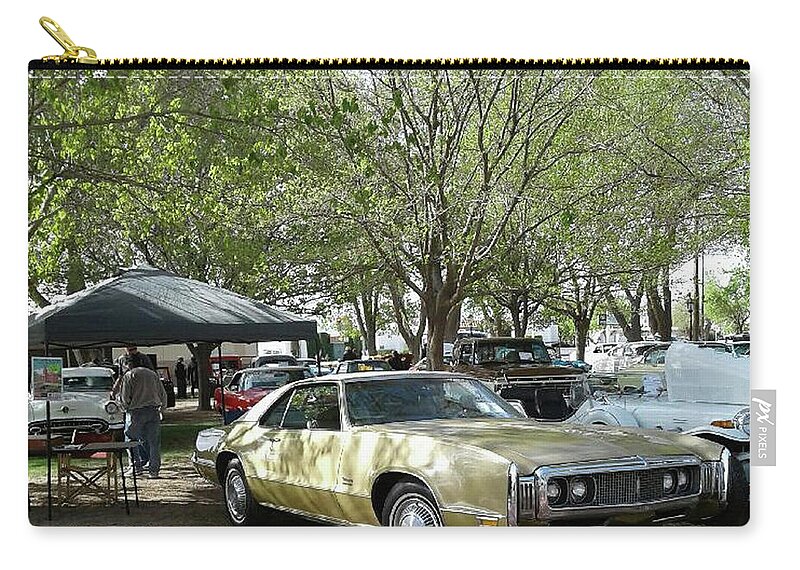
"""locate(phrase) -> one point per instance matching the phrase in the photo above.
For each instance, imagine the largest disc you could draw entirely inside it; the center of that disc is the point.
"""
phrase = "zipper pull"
(72, 52)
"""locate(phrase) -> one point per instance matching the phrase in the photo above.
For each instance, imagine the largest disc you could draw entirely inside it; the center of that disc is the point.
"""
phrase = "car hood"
(254, 394)
(531, 444)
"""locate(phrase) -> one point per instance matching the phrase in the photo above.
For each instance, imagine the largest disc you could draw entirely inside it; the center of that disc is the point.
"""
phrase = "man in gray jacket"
(142, 396)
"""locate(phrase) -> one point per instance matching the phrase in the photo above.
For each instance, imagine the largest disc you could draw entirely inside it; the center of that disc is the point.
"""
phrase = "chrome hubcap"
(414, 510)
(235, 496)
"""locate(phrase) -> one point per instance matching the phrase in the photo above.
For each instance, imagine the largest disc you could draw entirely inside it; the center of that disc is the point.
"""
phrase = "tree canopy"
(391, 195)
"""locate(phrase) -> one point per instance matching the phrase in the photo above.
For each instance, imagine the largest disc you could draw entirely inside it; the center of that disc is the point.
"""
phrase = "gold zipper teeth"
(447, 62)
(75, 54)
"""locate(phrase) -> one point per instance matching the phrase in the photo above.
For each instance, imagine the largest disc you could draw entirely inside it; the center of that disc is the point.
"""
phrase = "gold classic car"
(432, 449)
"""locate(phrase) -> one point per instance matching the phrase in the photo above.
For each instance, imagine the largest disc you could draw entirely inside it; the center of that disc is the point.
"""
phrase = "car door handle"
(681, 420)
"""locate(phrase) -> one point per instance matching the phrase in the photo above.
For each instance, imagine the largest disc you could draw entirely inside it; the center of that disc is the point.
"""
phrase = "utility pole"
(703, 295)
(696, 308)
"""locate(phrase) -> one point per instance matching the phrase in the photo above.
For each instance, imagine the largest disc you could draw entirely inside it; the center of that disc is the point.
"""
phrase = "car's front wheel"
(410, 504)
(737, 512)
(241, 508)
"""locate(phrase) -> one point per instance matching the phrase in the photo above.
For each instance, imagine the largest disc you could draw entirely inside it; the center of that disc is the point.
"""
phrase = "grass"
(177, 442)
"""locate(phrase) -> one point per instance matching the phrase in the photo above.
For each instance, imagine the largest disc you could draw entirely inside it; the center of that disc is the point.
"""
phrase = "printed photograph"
(420, 294)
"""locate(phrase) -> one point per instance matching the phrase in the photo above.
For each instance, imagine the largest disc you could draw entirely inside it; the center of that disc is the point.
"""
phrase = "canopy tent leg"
(221, 387)
(48, 449)
(318, 350)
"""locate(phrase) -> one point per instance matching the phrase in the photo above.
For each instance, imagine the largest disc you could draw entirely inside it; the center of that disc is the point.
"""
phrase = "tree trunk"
(453, 323)
(631, 327)
(36, 295)
(413, 338)
(582, 326)
(436, 333)
(667, 296)
(438, 309)
(366, 319)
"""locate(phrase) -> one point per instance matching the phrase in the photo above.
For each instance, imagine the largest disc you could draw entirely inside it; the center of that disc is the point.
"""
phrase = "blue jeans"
(144, 453)
(145, 424)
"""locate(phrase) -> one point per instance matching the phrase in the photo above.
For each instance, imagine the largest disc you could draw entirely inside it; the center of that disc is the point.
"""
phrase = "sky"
(763, 34)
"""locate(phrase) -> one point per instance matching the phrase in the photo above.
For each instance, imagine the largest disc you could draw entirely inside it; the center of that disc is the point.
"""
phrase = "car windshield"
(415, 399)
(270, 378)
(88, 383)
(511, 351)
(742, 349)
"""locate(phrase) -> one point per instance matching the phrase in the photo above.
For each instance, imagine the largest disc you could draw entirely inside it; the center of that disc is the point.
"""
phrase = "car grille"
(634, 487)
(618, 486)
(94, 425)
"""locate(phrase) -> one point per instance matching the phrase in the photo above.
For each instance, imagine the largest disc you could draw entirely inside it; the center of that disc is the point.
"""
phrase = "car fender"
(718, 433)
(606, 414)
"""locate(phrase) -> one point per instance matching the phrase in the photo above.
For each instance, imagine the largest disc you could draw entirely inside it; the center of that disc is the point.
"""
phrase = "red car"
(248, 386)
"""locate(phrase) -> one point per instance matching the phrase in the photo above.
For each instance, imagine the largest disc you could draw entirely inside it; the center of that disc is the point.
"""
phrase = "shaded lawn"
(177, 442)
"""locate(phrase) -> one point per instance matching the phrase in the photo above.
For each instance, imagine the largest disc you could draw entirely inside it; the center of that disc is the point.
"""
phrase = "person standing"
(128, 361)
(349, 354)
(394, 361)
(132, 359)
(192, 370)
(180, 377)
(143, 397)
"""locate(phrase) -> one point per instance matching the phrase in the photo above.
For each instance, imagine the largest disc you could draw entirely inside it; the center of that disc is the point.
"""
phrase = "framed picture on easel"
(45, 376)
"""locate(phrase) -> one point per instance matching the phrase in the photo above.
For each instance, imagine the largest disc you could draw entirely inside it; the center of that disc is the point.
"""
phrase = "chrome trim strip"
(513, 493)
(463, 510)
(306, 515)
(609, 511)
(725, 459)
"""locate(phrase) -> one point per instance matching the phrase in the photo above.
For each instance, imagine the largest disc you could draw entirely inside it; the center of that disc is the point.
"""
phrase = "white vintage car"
(83, 409)
(704, 393)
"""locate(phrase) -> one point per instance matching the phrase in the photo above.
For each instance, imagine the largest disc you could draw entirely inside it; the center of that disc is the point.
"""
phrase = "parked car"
(311, 364)
(362, 365)
(432, 449)
(278, 359)
(686, 389)
(83, 412)
(246, 387)
(621, 356)
(521, 370)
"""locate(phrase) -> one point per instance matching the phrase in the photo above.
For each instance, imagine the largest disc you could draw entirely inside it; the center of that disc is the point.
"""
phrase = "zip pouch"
(388, 292)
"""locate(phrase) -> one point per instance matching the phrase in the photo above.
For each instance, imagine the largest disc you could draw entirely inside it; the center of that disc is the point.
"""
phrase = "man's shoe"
(153, 476)
(129, 472)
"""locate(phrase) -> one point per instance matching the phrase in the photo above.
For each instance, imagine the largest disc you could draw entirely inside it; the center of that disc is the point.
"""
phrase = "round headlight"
(556, 491)
(683, 479)
(669, 481)
(553, 492)
(578, 490)
(742, 420)
(111, 408)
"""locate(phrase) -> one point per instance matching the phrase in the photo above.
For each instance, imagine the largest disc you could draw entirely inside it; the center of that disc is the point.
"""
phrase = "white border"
(764, 35)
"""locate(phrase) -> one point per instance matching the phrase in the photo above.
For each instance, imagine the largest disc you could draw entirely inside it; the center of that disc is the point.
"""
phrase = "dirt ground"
(179, 498)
